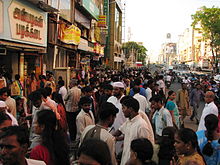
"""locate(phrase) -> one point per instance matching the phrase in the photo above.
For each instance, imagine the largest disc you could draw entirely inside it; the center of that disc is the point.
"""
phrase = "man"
(137, 83)
(161, 116)
(14, 145)
(16, 87)
(108, 88)
(195, 98)
(72, 99)
(5, 120)
(182, 101)
(85, 116)
(62, 89)
(107, 116)
(161, 84)
(210, 108)
(141, 99)
(10, 102)
(135, 127)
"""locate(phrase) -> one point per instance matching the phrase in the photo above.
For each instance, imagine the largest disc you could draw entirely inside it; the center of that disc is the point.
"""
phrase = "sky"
(150, 20)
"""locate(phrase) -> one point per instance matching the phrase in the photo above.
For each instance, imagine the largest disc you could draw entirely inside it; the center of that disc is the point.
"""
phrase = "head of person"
(43, 78)
(161, 77)
(45, 92)
(108, 88)
(137, 81)
(150, 83)
(14, 141)
(73, 83)
(87, 91)
(156, 102)
(130, 106)
(141, 152)
(118, 89)
(171, 95)
(90, 155)
(5, 120)
(136, 89)
(209, 97)
(17, 77)
(184, 86)
(156, 87)
(186, 141)
(107, 113)
(198, 86)
(85, 103)
(3, 93)
(211, 124)
(36, 98)
(166, 142)
(61, 83)
(57, 98)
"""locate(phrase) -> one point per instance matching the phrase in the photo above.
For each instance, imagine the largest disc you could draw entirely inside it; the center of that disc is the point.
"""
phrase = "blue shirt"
(142, 92)
(202, 140)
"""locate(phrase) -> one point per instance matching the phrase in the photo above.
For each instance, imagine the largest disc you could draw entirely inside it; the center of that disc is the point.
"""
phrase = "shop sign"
(97, 34)
(82, 19)
(102, 48)
(90, 6)
(65, 9)
(27, 24)
(102, 21)
(106, 9)
(85, 60)
(95, 58)
(1, 16)
(70, 35)
(83, 45)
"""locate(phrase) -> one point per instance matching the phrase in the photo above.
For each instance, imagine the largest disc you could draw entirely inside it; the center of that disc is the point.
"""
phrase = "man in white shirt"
(62, 89)
(141, 99)
(161, 84)
(161, 116)
(210, 108)
(135, 127)
(85, 116)
(107, 114)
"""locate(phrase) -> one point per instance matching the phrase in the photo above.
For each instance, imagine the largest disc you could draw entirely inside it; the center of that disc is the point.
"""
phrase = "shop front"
(23, 35)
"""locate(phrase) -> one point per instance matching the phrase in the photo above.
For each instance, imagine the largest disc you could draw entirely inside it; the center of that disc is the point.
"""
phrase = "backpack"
(93, 133)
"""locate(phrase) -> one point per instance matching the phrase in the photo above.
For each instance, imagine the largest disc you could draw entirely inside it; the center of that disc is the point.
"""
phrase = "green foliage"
(132, 47)
(209, 20)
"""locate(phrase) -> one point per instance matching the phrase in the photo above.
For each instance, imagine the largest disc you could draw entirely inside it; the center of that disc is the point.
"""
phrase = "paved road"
(188, 123)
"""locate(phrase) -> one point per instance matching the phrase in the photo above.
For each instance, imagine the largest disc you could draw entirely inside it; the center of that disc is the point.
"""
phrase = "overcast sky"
(151, 20)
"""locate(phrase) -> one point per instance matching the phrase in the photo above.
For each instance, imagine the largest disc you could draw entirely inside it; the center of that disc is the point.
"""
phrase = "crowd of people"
(108, 117)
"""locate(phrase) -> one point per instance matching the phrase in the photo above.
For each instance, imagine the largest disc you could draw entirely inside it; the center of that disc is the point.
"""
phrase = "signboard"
(26, 23)
(90, 6)
(65, 9)
(70, 35)
(1, 16)
(102, 21)
(83, 45)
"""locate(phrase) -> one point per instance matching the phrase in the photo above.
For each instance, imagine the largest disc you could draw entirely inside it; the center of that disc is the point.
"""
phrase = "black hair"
(100, 152)
(108, 87)
(61, 82)
(48, 91)
(3, 90)
(17, 77)
(43, 77)
(43, 92)
(169, 94)
(131, 103)
(58, 98)
(188, 135)
(4, 117)
(157, 99)
(166, 142)
(86, 89)
(137, 81)
(84, 100)
(20, 132)
(136, 89)
(107, 109)
(151, 81)
(35, 96)
(144, 150)
(211, 124)
(53, 139)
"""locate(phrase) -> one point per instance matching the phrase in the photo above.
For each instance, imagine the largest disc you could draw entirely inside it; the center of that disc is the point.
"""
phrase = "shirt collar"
(135, 118)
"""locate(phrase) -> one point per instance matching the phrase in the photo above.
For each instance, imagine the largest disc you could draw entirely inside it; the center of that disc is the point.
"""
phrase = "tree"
(133, 48)
(209, 20)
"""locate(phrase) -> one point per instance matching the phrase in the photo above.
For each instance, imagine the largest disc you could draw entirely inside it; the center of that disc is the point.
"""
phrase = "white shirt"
(149, 94)
(13, 119)
(63, 91)
(210, 108)
(120, 118)
(161, 85)
(162, 119)
(133, 129)
(35, 162)
(168, 78)
(142, 101)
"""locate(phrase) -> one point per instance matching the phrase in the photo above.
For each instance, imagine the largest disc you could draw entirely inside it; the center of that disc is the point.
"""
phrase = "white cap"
(118, 85)
(2, 104)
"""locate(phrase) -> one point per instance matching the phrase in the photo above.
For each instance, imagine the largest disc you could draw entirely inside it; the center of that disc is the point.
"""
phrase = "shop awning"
(43, 6)
(23, 47)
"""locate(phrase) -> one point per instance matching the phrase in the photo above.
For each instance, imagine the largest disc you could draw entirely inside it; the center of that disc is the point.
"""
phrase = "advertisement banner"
(1, 16)
(102, 21)
(70, 35)
(90, 6)
(27, 24)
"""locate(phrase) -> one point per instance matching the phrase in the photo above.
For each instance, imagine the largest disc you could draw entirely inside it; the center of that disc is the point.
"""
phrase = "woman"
(208, 140)
(167, 150)
(141, 152)
(187, 148)
(53, 149)
(172, 107)
(61, 110)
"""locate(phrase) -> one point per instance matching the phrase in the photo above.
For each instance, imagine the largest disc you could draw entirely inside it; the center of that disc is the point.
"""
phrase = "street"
(188, 123)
